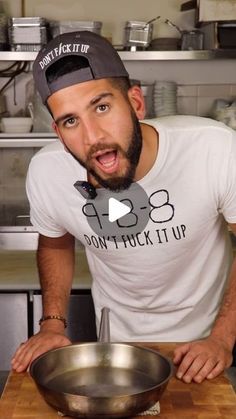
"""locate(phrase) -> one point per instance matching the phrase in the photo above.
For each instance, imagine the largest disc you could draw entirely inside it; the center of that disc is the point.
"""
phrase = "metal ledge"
(26, 140)
(23, 238)
(177, 55)
(18, 238)
(20, 142)
(140, 55)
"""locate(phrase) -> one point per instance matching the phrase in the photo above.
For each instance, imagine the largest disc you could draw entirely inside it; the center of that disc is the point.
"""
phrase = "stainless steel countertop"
(19, 272)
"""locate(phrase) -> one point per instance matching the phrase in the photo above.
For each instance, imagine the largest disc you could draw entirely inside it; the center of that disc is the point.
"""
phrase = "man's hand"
(35, 346)
(202, 359)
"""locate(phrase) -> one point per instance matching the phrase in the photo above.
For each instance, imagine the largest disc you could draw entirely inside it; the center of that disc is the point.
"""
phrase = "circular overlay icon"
(114, 214)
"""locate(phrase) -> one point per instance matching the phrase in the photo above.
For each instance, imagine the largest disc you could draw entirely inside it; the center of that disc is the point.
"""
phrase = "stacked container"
(27, 33)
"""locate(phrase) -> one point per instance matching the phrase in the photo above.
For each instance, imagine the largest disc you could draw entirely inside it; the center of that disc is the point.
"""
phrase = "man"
(171, 280)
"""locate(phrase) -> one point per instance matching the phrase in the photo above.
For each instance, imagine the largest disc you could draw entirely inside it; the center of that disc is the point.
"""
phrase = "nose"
(92, 131)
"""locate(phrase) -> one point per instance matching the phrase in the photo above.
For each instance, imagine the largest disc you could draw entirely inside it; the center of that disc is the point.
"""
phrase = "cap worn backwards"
(103, 59)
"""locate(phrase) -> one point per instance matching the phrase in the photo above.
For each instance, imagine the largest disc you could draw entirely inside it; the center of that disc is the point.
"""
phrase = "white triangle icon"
(116, 209)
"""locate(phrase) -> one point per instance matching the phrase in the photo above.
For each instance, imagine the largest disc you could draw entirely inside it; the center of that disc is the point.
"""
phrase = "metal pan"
(101, 379)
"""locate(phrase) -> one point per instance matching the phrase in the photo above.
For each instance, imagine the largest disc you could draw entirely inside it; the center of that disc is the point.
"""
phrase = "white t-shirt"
(167, 283)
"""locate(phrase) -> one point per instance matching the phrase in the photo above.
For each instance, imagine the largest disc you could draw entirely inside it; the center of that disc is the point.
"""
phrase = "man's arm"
(55, 258)
(209, 357)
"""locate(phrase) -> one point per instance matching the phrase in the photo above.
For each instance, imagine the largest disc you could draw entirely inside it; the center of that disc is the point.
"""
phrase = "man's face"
(99, 127)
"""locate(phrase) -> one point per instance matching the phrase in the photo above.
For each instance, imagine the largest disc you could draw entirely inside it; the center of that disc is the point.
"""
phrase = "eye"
(102, 108)
(70, 122)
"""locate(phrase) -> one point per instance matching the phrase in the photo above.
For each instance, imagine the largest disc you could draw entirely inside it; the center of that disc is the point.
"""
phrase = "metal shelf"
(177, 55)
(139, 55)
(26, 140)
(17, 56)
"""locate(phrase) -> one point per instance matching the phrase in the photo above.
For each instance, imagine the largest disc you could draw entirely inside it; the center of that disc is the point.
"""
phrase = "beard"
(132, 156)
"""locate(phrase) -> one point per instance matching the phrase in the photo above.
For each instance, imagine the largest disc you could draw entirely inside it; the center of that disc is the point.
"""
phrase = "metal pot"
(100, 379)
(190, 40)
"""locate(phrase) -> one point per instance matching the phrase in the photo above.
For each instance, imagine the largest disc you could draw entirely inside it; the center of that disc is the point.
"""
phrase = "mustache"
(101, 146)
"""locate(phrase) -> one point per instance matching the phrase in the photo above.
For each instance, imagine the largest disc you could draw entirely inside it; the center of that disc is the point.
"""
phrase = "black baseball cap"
(104, 61)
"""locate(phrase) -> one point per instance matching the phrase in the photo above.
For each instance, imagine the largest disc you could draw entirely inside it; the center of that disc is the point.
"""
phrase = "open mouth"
(107, 161)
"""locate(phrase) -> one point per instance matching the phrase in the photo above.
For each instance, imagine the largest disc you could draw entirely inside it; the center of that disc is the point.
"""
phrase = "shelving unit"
(38, 140)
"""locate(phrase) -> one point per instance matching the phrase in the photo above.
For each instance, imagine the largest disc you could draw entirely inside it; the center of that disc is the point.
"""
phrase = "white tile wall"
(213, 90)
(199, 99)
(187, 105)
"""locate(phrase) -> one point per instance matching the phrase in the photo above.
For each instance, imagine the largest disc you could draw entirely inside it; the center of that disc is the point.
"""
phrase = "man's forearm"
(55, 258)
(225, 324)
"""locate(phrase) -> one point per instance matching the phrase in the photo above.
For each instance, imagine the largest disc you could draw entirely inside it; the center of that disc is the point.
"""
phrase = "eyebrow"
(97, 99)
(93, 102)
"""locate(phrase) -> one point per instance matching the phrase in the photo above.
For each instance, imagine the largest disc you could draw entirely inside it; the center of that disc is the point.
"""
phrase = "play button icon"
(116, 209)
(117, 216)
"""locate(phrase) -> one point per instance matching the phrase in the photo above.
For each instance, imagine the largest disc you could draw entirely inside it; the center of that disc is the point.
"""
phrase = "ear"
(57, 131)
(55, 128)
(137, 101)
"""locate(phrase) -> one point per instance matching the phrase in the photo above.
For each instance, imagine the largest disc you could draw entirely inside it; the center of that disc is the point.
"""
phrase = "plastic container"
(16, 124)
(27, 33)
